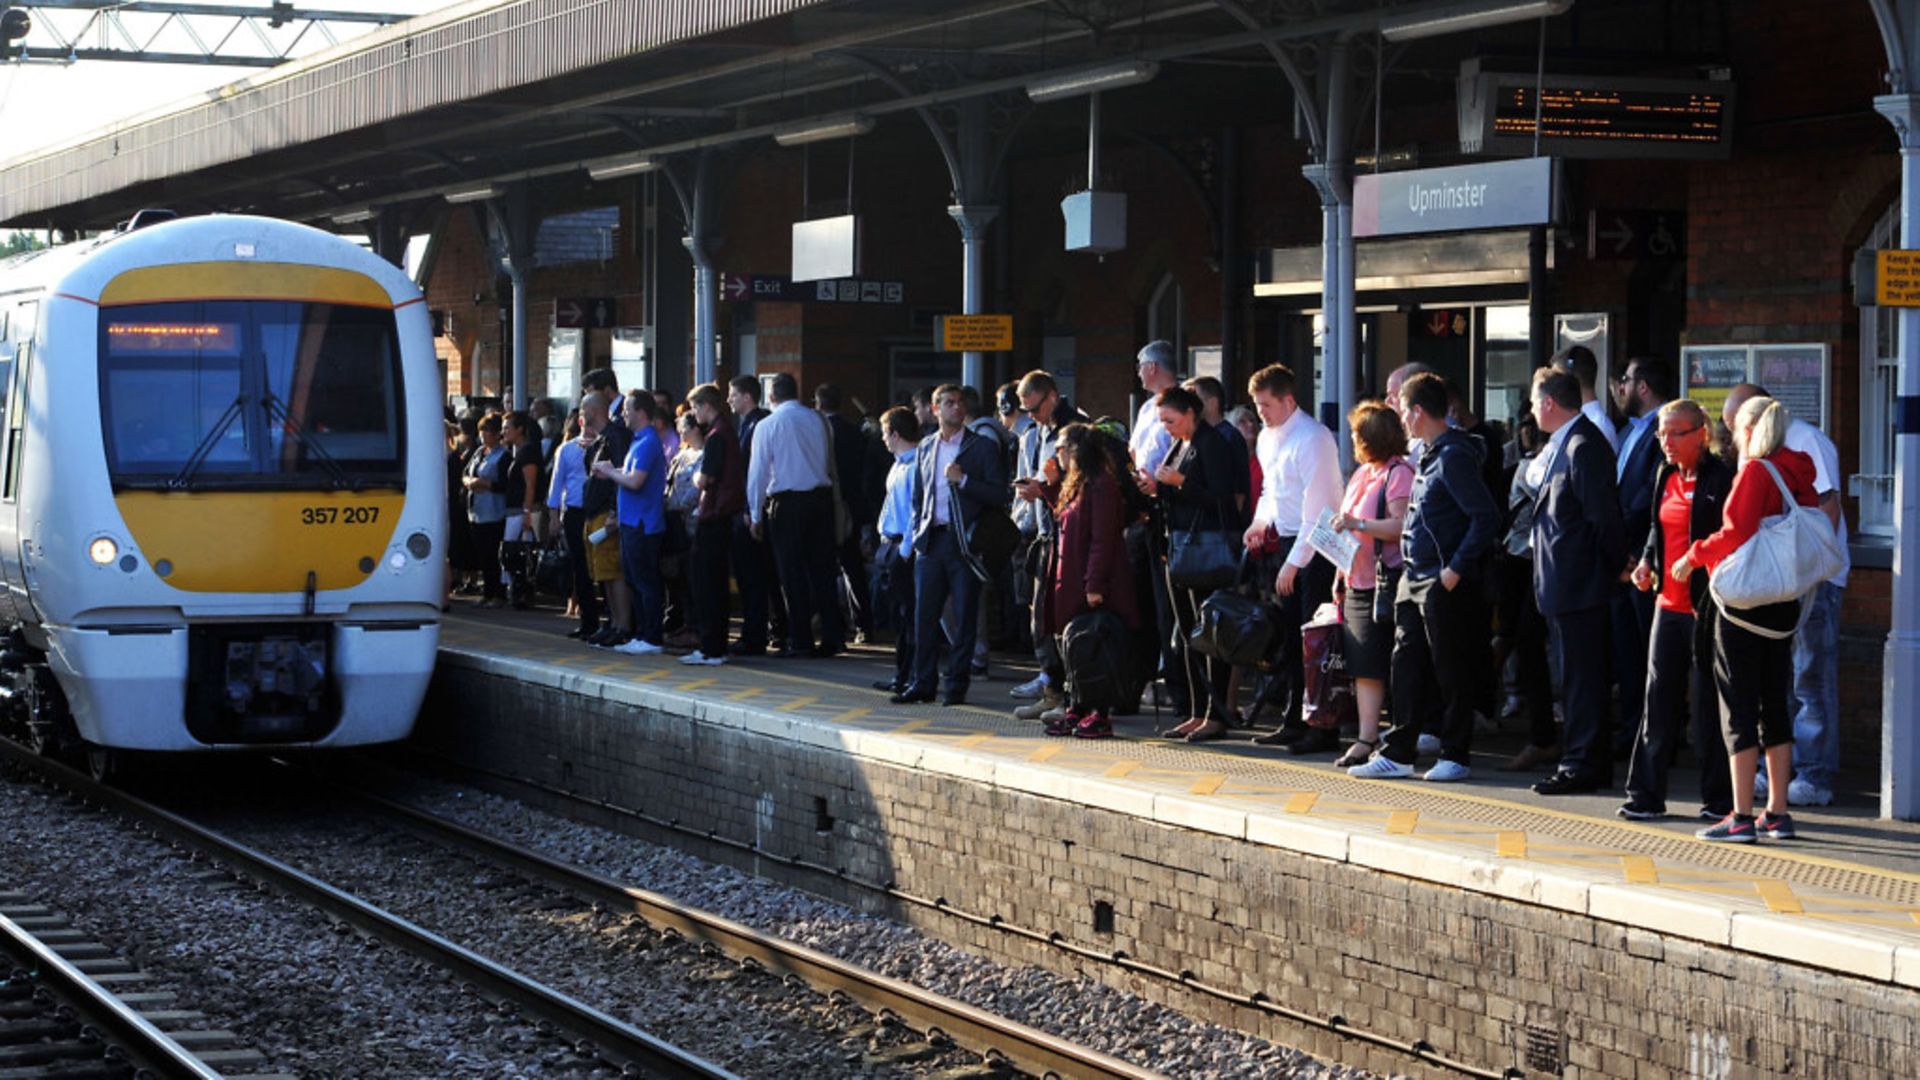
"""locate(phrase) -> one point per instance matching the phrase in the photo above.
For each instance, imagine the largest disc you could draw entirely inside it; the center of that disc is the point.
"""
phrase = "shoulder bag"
(1386, 581)
(1201, 559)
(1785, 559)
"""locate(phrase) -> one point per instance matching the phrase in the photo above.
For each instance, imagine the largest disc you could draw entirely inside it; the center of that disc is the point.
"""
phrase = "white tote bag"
(1791, 554)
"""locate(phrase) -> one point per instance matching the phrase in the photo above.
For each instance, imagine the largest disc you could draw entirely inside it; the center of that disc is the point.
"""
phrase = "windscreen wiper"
(206, 444)
(278, 412)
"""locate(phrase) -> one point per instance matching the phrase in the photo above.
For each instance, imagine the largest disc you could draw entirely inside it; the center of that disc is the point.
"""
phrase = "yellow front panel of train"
(258, 542)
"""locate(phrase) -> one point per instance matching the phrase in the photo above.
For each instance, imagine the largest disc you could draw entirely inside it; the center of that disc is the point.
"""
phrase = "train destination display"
(1596, 116)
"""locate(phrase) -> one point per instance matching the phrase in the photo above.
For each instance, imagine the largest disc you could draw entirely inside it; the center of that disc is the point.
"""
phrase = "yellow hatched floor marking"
(974, 740)
(654, 676)
(1401, 822)
(749, 692)
(851, 715)
(910, 727)
(695, 684)
(1780, 897)
(797, 704)
(602, 669)
(1047, 753)
(1207, 785)
(1237, 786)
(1302, 802)
(1510, 845)
(1639, 870)
(1121, 769)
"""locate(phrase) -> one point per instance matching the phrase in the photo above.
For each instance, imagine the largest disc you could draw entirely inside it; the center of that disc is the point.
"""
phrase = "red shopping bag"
(1327, 700)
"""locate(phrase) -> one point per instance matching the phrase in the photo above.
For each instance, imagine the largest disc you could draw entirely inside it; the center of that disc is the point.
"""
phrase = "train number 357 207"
(339, 515)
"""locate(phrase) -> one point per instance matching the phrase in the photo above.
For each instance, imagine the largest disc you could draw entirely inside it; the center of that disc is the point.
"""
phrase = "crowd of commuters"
(1558, 570)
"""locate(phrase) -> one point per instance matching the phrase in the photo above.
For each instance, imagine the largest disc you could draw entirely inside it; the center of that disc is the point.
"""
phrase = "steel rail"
(121, 1025)
(1024, 1047)
(617, 1042)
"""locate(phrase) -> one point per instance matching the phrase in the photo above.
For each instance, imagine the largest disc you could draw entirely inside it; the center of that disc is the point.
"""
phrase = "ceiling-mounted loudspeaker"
(1096, 221)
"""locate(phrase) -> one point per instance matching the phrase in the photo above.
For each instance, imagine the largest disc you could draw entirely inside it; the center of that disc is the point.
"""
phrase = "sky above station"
(44, 103)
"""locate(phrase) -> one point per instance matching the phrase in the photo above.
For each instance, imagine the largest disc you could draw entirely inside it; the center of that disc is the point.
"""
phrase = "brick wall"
(1466, 971)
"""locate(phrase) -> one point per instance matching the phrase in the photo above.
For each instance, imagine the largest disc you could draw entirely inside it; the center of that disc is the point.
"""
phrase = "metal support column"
(387, 234)
(512, 221)
(1900, 722)
(1338, 347)
(971, 213)
(706, 288)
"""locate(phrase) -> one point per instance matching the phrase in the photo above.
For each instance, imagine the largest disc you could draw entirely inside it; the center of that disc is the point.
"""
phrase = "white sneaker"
(1447, 772)
(1428, 746)
(696, 658)
(1031, 689)
(1803, 793)
(1381, 767)
(636, 647)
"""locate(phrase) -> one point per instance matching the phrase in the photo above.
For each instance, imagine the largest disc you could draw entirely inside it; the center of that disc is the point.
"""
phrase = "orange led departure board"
(1595, 116)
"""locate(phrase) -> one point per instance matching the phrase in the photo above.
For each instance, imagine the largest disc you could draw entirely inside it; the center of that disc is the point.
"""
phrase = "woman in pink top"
(1373, 509)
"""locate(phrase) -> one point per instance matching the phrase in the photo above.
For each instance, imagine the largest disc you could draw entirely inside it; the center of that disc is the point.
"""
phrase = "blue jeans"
(1816, 690)
(640, 561)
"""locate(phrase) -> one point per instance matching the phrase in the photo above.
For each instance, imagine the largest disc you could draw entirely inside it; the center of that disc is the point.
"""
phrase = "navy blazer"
(1579, 539)
(986, 487)
(1636, 481)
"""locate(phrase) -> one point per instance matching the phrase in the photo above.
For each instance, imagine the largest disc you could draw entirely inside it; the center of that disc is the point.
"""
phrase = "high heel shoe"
(1208, 731)
(1355, 755)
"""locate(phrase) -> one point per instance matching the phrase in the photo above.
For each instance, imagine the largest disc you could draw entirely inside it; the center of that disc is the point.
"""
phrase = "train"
(222, 491)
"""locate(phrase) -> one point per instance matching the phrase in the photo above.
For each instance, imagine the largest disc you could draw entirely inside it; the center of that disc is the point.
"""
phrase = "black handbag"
(1201, 559)
(1233, 626)
(1386, 581)
(553, 571)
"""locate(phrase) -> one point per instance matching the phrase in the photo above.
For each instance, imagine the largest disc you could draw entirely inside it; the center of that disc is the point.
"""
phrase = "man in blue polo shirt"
(643, 521)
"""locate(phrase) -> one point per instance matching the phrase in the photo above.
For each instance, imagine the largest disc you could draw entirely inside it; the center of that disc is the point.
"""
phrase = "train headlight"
(420, 545)
(103, 550)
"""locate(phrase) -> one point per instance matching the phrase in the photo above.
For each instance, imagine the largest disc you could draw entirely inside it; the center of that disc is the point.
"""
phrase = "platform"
(1843, 901)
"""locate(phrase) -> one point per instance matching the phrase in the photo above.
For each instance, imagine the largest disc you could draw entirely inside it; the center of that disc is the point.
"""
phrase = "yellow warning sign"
(976, 333)
(1897, 281)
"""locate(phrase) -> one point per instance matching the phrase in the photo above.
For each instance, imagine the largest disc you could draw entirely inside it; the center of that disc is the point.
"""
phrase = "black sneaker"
(1634, 811)
(1775, 826)
(1733, 829)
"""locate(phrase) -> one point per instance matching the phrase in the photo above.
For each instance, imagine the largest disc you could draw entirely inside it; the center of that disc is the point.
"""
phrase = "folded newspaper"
(1339, 547)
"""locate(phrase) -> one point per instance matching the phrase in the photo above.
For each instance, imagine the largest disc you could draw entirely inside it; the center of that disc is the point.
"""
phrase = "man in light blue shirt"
(901, 430)
(643, 522)
(565, 497)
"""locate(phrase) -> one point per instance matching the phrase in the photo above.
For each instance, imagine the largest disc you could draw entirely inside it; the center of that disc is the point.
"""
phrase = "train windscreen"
(270, 393)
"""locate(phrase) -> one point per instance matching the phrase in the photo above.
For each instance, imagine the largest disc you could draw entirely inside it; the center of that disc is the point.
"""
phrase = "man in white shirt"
(1816, 647)
(1586, 367)
(1149, 441)
(902, 434)
(790, 501)
(1300, 478)
(1147, 444)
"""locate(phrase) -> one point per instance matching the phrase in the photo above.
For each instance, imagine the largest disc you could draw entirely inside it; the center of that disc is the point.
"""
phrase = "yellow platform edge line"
(1639, 870)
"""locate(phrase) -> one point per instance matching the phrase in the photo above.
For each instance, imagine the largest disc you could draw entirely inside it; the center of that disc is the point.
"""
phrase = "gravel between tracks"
(317, 1002)
(1081, 1009)
(751, 1023)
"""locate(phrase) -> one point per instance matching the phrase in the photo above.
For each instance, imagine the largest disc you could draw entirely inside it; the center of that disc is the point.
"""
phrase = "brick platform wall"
(1468, 972)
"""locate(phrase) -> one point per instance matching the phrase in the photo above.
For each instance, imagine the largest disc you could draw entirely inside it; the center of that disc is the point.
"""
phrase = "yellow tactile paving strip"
(1635, 874)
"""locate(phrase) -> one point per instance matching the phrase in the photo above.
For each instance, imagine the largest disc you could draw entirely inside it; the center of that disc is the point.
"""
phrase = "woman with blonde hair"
(1373, 510)
(1754, 671)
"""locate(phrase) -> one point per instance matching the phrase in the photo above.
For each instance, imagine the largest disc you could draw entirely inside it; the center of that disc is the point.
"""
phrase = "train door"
(16, 365)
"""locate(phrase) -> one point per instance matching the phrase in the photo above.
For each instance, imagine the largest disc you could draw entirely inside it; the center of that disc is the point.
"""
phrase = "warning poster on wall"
(1711, 371)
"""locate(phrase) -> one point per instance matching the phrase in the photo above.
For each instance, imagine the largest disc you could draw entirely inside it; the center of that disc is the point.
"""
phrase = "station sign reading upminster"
(1490, 195)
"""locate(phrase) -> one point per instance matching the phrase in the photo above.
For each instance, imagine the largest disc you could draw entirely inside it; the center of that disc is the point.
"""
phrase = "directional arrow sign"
(585, 313)
(568, 314)
(735, 286)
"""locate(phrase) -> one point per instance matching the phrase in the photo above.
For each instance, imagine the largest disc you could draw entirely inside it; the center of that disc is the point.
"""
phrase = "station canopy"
(503, 91)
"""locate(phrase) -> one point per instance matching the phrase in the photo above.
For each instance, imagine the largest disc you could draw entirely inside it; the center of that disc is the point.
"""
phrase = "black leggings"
(487, 537)
(1754, 675)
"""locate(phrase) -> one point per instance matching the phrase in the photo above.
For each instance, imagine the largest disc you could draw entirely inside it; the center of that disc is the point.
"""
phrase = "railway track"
(937, 1017)
(69, 1008)
(614, 1041)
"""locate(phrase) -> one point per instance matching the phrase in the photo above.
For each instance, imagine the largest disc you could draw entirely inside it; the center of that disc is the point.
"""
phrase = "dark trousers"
(486, 537)
(853, 570)
(1526, 629)
(1679, 659)
(1581, 640)
(800, 531)
(1206, 677)
(1312, 586)
(1146, 542)
(898, 568)
(1754, 676)
(761, 605)
(707, 584)
(1437, 653)
(585, 596)
(640, 563)
(1630, 617)
(939, 573)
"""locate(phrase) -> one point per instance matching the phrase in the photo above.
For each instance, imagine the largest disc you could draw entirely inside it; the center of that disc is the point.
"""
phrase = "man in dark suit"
(958, 475)
(1579, 557)
(762, 608)
(1646, 385)
(850, 459)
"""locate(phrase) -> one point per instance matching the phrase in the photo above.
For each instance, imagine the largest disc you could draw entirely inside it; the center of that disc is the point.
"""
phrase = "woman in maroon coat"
(1089, 564)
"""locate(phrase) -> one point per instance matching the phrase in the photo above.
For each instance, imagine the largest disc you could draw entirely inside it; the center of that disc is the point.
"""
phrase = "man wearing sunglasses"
(1644, 387)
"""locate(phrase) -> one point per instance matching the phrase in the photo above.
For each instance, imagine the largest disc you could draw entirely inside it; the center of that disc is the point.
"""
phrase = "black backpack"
(1095, 650)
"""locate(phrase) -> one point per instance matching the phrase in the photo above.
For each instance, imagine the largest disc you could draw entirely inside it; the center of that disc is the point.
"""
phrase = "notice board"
(1795, 374)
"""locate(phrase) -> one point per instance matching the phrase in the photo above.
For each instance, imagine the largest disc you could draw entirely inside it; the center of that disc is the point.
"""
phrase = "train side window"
(17, 419)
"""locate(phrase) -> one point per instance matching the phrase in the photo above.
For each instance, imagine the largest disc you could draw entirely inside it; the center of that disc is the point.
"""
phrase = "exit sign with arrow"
(586, 313)
(1636, 234)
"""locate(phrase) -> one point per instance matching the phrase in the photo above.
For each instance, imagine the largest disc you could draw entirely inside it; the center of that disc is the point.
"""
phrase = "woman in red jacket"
(1754, 672)
(1090, 569)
